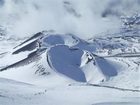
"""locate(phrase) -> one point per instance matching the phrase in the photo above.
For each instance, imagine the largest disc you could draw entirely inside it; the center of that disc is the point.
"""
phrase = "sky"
(84, 18)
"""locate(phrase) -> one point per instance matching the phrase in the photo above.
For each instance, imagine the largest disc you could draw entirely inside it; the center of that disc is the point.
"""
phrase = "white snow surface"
(66, 70)
(87, 55)
(18, 93)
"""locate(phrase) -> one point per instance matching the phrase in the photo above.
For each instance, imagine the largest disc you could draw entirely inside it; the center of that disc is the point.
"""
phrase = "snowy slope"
(18, 93)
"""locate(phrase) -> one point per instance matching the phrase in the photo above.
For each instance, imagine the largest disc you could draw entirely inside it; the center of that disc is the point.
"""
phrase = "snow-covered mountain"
(109, 58)
(64, 62)
(89, 55)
